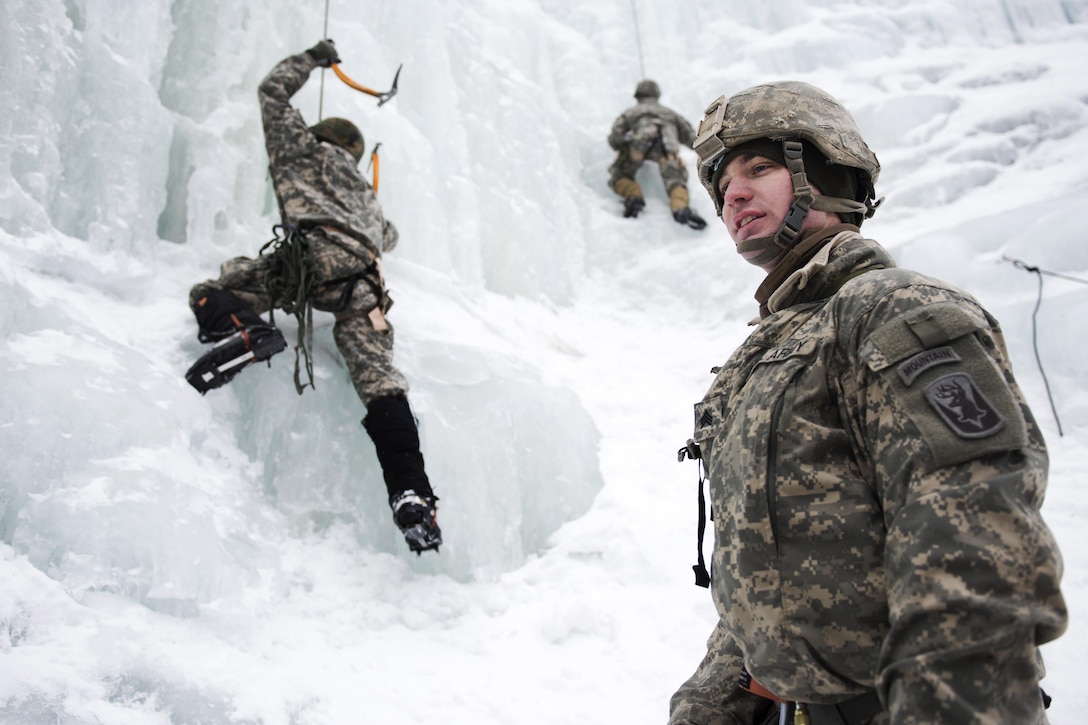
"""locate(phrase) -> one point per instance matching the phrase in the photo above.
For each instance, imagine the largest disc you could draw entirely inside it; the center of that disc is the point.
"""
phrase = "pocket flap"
(920, 329)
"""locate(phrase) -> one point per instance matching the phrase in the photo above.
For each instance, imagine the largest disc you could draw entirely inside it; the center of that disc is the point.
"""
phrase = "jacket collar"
(818, 265)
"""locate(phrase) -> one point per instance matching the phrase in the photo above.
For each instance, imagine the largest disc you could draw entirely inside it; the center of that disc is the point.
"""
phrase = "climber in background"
(649, 131)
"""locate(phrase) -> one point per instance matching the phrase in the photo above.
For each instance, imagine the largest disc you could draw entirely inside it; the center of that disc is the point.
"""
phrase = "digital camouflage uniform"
(648, 131)
(329, 256)
(875, 479)
(321, 190)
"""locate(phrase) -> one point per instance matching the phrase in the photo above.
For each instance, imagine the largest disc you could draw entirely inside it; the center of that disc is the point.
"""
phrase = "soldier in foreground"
(648, 131)
(323, 195)
(875, 472)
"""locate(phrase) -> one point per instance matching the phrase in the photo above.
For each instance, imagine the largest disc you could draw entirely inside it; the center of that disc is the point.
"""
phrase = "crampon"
(417, 519)
(219, 365)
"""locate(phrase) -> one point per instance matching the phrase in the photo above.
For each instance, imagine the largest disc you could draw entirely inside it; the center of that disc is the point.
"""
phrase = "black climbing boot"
(390, 424)
(417, 519)
(632, 205)
(241, 338)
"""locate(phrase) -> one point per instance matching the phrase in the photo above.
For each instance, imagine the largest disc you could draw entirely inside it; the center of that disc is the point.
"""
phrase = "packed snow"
(173, 558)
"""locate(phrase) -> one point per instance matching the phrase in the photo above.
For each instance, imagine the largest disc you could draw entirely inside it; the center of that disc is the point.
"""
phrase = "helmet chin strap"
(771, 247)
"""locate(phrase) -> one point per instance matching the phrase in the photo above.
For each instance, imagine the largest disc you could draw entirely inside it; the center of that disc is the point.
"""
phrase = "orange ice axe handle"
(374, 161)
(380, 95)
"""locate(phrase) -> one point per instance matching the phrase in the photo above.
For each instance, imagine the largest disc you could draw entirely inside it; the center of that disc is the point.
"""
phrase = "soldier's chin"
(750, 256)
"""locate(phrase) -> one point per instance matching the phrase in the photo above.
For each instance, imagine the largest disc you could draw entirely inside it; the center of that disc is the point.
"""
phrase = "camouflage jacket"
(317, 182)
(875, 478)
(636, 129)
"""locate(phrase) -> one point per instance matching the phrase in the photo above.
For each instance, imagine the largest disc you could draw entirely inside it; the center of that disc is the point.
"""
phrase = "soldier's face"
(758, 193)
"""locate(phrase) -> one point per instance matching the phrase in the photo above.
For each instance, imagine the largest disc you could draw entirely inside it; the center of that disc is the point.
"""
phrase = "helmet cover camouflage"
(778, 111)
(647, 89)
(341, 132)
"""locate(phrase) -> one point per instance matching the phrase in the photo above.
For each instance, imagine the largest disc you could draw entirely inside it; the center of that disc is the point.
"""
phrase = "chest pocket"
(778, 375)
(946, 382)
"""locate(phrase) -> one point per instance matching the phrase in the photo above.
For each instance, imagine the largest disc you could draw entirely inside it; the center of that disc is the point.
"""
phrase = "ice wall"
(137, 165)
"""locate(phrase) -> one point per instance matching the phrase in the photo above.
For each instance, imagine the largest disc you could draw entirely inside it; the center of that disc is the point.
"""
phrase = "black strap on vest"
(691, 450)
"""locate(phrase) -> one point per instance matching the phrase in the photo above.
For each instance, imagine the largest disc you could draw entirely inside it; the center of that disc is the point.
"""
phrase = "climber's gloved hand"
(324, 53)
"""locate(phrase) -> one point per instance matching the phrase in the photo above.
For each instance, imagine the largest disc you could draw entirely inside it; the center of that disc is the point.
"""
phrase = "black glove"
(689, 217)
(324, 53)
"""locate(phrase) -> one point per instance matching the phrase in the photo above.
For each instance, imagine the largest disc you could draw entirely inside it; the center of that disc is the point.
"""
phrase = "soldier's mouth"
(744, 220)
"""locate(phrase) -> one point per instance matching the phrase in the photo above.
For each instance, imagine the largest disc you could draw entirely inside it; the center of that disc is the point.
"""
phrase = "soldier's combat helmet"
(797, 116)
(647, 89)
(341, 132)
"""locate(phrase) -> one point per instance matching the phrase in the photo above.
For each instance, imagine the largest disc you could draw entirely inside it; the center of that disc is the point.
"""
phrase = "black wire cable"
(1035, 345)
(1029, 268)
(1035, 325)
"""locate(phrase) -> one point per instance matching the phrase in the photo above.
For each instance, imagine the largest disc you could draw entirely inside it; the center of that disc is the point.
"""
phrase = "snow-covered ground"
(172, 558)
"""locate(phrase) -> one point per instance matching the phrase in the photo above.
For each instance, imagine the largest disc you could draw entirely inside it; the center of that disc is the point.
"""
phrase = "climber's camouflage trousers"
(362, 334)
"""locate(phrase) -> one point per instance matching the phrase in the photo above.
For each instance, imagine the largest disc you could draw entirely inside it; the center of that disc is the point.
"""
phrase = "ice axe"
(375, 160)
(382, 96)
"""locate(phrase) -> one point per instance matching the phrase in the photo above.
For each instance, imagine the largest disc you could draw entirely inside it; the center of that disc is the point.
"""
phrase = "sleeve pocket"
(942, 378)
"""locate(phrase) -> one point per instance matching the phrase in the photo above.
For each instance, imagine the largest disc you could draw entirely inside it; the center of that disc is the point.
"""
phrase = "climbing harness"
(1034, 323)
(659, 144)
(290, 278)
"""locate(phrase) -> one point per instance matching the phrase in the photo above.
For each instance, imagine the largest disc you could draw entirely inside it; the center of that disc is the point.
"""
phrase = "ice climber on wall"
(338, 233)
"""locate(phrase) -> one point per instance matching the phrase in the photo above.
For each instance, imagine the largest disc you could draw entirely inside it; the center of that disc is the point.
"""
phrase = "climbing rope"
(1035, 326)
(638, 40)
(290, 278)
(324, 34)
(382, 96)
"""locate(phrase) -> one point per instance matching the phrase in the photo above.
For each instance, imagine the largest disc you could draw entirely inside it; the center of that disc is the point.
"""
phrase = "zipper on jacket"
(788, 393)
(771, 485)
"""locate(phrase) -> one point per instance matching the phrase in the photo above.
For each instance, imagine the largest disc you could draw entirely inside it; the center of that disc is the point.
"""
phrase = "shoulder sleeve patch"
(943, 379)
(963, 407)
